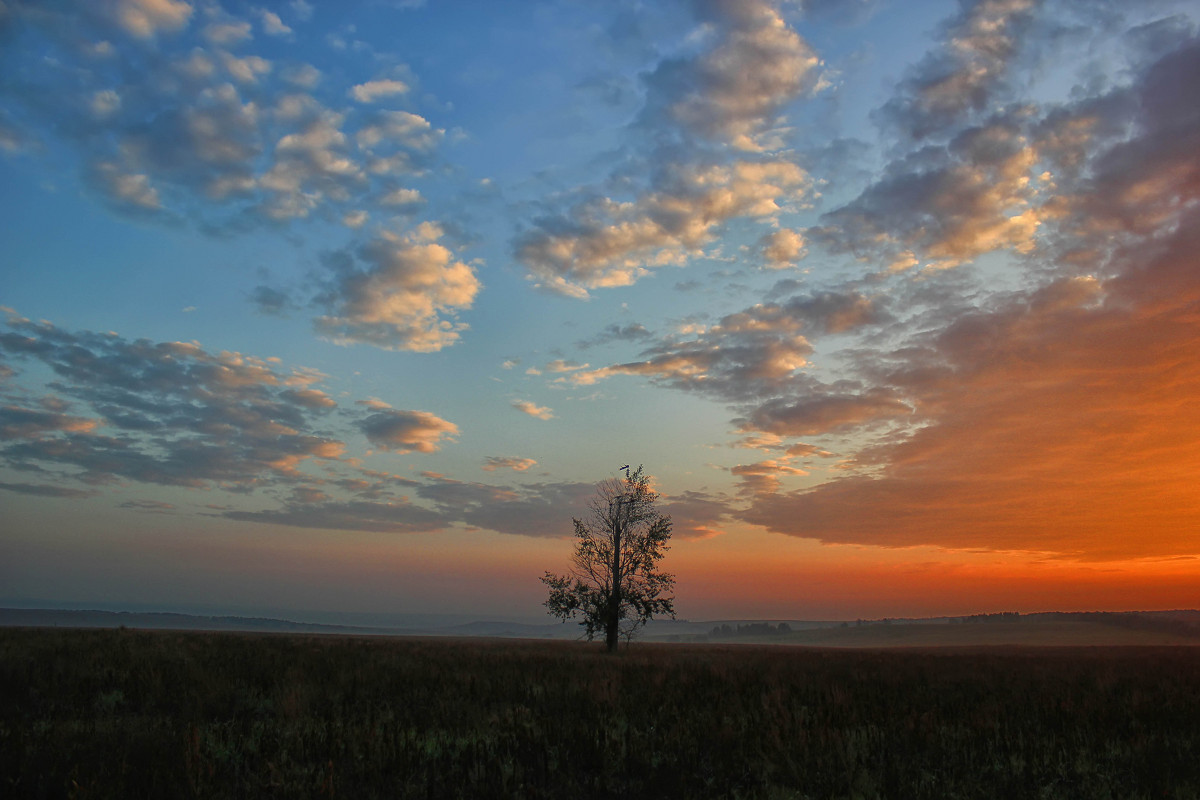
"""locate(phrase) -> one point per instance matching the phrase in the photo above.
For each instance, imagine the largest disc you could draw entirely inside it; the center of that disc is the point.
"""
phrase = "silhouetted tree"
(614, 583)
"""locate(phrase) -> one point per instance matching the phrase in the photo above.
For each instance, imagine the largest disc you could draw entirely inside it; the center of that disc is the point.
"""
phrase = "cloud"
(407, 431)
(1079, 448)
(824, 411)
(271, 301)
(732, 92)
(313, 399)
(539, 510)
(405, 295)
(401, 128)
(272, 25)
(227, 33)
(44, 490)
(756, 360)
(533, 409)
(763, 477)
(169, 413)
(28, 423)
(149, 506)
(310, 164)
(633, 332)
(605, 243)
(397, 516)
(704, 113)
(964, 75)
(782, 248)
(302, 9)
(493, 463)
(837, 311)
(371, 91)
(749, 354)
(179, 128)
(696, 514)
(127, 192)
(1050, 418)
(147, 18)
(979, 194)
(402, 197)
(559, 366)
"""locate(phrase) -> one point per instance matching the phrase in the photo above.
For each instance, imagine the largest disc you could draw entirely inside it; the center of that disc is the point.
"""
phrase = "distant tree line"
(751, 629)
(1003, 616)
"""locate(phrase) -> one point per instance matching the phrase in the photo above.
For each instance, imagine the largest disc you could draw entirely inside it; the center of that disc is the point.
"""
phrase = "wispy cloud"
(167, 412)
(493, 463)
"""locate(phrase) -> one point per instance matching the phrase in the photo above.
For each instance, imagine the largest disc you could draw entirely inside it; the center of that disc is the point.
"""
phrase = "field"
(1025, 631)
(119, 713)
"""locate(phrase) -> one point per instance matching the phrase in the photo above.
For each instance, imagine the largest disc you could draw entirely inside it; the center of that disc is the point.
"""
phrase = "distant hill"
(1040, 629)
(60, 618)
(1094, 628)
(148, 620)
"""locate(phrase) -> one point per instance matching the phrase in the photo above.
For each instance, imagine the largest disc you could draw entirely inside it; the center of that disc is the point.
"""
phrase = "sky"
(316, 308)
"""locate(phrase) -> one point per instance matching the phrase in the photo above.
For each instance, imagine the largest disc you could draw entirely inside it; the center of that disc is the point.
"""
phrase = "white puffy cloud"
(310, 165)
(371, 91)
(732, 92)
(187, 124)
(704, 112)
(782, 248)
(392, 129)
(406, 296)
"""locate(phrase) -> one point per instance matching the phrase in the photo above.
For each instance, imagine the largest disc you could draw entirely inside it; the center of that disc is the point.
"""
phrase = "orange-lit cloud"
(1060, 422)
(407, 431)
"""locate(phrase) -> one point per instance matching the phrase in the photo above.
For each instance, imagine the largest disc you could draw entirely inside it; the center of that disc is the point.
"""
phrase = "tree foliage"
(614, 585)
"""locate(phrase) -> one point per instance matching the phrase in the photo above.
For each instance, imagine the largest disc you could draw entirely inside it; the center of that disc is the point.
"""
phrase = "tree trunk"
(612, 624)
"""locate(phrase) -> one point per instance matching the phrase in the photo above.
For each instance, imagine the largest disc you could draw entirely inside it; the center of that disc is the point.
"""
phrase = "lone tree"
(614, 582)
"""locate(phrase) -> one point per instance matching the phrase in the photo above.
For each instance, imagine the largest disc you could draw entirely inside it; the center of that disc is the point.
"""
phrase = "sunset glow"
(312, 308)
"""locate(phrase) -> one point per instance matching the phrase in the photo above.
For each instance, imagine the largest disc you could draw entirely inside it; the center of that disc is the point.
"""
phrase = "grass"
(1025, 632)
(104, 713)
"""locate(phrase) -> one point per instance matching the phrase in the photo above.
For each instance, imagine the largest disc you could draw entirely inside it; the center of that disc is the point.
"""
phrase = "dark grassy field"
(104, 713)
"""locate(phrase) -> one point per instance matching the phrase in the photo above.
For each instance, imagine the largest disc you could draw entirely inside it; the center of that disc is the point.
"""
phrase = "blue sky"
(347, 307)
